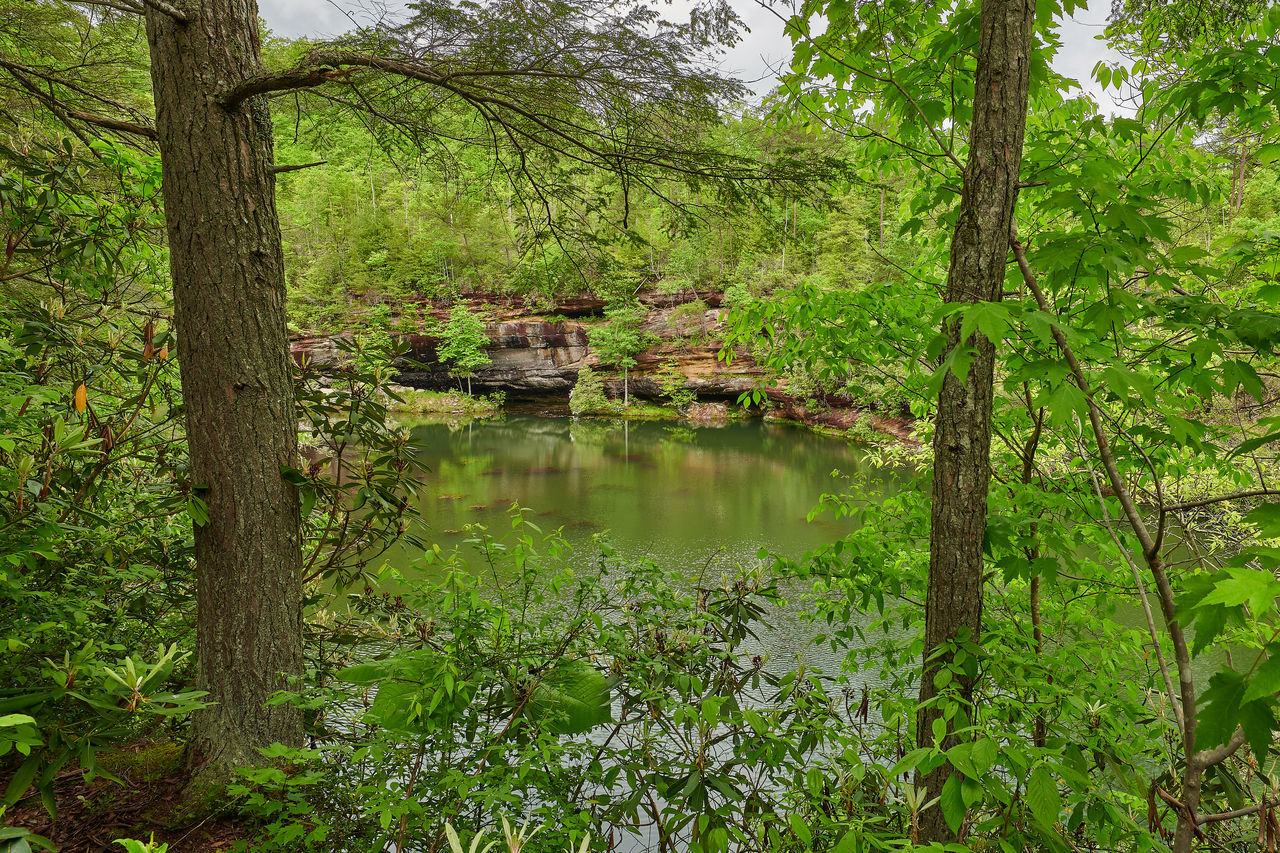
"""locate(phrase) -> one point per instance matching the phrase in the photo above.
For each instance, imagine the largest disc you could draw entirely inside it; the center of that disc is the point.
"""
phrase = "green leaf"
(970, 792)
(951, 801)
(1220, 708)
(848, 842)
(990, 318)
(397, 707)
(307, 495)
(1209, 622)
(1265, 680)
(1251, 444)
(801, 829)
(1241, 585)
(198, 511)
(571, 698)
(1268, 153)
(1267, 518)
(363, 673)
(1042, 796)
(21, 780)
(1185, 431)
(910, 761)
(1065, 401)
(1259, 725)
(984, 756)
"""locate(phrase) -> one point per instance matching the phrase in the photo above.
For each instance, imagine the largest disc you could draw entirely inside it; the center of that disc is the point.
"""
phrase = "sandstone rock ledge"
(538, 356)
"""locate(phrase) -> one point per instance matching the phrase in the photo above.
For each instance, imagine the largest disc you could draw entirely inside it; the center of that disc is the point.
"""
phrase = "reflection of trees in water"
(668, 491)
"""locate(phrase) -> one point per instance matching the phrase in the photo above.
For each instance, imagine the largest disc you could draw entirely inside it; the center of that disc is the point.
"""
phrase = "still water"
(689, 499)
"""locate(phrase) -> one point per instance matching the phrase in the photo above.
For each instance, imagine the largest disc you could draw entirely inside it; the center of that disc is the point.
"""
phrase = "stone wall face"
(533, 356)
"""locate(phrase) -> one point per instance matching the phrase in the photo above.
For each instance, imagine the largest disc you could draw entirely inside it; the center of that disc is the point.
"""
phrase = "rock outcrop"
(537, 355)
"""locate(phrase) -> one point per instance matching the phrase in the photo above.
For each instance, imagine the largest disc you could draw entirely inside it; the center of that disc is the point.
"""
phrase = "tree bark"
(962, 439)
(229, 307)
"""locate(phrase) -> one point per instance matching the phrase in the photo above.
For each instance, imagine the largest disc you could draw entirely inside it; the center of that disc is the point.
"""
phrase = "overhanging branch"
(65, 113)
(129, 8)
(279, 81)
(551, 132)
(113, 124)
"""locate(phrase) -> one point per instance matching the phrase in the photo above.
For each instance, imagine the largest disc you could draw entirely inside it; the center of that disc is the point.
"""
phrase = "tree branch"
(1196, 762)
(113, 124)
(119, 7)
(277, 81)
(1142, 595)
(168, 9)
(1231, 815)
(1209, 757)
(280, 170)
(50, 103)
(1235, 496)
(66, 114)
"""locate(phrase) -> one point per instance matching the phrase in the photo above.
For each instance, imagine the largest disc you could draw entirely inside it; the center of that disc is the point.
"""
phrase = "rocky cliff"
(539, 354)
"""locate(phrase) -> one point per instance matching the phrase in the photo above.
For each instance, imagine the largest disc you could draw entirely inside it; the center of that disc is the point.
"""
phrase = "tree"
(598, 84)
(229, 305)
(620, 339)
(962, 436)
(912, 97)
(464, 342)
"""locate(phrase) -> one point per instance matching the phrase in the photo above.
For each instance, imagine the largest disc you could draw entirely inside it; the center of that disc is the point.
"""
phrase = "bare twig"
(1235, 496)
(280, 170)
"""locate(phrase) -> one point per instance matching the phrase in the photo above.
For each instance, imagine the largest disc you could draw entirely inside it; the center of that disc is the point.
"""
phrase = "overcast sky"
(752, 59)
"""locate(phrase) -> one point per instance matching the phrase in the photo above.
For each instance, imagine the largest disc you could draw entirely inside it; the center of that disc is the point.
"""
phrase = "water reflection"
(690, 499)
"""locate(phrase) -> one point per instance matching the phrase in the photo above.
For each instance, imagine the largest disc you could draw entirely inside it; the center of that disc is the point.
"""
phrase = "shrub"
(671, 382)
(587, 396)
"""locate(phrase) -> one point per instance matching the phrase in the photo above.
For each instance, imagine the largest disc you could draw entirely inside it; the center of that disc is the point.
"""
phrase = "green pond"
(690, 499)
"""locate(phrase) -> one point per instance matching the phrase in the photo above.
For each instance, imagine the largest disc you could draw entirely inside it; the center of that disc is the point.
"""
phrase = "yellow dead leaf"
(81, 397)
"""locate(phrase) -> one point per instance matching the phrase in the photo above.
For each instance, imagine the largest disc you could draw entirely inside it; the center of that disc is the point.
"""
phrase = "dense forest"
(1050, 322)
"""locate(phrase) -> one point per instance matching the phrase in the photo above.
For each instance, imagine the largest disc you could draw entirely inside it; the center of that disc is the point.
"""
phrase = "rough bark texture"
(225, 256)
(979, 252)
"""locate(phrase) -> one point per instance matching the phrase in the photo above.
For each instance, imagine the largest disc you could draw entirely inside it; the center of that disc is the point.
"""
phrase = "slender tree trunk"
(882, 219)
(228, 283)
(625, 401)
(962, 440)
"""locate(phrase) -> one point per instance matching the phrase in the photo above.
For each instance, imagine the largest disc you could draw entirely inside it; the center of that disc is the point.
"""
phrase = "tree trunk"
(625, 401)
(229, 306)
(962, 439)
(882, 218)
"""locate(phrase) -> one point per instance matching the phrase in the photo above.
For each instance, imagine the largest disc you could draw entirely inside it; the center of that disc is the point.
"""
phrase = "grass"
(419, 402)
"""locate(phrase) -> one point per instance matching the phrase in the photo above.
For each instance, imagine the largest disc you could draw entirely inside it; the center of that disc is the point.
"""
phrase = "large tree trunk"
(228, 283)
(962, 440)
